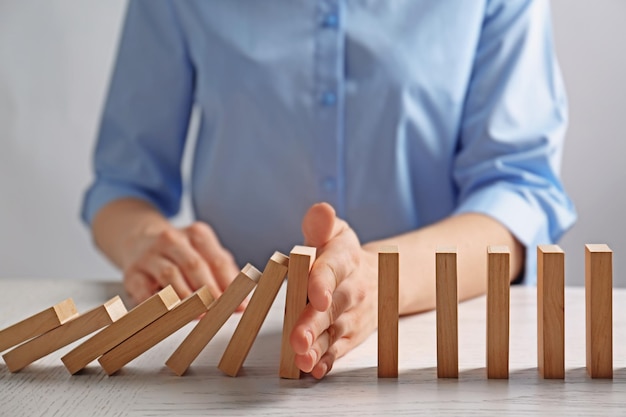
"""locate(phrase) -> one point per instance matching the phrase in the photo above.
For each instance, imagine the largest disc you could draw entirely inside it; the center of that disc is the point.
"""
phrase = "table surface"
(146, 387)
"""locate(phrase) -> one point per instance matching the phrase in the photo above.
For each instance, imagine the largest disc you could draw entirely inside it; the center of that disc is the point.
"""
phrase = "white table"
(147, 387)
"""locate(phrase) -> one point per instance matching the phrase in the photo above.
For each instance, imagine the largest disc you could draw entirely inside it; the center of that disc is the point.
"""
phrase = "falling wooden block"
(301, 260)
(218, 312)
(388, 303)
(111, 336)
(550, 311)
(599, 310)
(255, 314)
(447, 313)
(498, 294)
(37, 324)
(189, 309)
(61, 336)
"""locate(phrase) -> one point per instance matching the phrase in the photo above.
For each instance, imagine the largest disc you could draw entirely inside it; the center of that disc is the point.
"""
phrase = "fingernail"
(329, 297)
(309, 338)
(313, 355)
(324, 368)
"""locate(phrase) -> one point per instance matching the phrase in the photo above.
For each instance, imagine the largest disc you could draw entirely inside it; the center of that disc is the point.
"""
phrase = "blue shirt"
(398, 113)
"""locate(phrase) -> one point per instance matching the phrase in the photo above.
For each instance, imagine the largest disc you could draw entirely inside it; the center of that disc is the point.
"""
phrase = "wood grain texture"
(498, 288)
(111, 336)
(189, 309)
(447, 315)
(388, 315)
(253, 317)
(551, 311)
(37, 324)
(218, 312)
(599, 310)
(301, 260)
(69, 332)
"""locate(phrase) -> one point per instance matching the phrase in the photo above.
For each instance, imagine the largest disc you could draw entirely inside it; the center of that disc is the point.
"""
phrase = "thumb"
(320, 225)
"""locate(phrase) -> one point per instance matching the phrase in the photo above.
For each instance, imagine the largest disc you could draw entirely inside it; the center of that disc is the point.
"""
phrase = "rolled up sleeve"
(514, 122)
(144, 123)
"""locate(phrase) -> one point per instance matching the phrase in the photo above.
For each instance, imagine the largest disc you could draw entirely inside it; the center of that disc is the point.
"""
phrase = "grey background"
(55, 61)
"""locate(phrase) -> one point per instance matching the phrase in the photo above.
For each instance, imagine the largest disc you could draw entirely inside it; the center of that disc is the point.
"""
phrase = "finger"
(322, 343)
(177, 248)
(334, 352)
(319, 226)
(165, 273)
(139, 286)
(308, 328)
(220, 261)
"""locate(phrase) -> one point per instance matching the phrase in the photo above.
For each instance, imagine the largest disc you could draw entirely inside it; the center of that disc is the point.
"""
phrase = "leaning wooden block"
(599, 310)
(388, 302)
(498, 297)
(61, 336)
(189, 309)
(219, 311)
(301, 260)
(255, 314)
(37, 324)
(550, 311)
(111, 336)
(447, 313)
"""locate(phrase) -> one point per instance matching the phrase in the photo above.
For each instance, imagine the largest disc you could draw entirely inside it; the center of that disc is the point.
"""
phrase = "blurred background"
(55, 62)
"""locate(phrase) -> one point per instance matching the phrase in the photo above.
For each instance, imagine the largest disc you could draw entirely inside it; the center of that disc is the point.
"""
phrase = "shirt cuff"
(101, 193)
(522, 216)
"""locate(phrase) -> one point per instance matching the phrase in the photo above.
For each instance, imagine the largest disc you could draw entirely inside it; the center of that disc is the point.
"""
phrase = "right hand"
(187, 258)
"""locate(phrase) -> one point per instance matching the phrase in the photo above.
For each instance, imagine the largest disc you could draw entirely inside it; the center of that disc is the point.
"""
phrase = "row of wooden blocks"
(550, 312)
(126, 335)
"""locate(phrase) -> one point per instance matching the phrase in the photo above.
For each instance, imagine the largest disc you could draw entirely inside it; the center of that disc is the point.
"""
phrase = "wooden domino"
(218, 312)
(550, 311)
(189, 309)
(599, 310)
(61, 336)
(111, 336)
(37, 324)
(447, 313)
(388, 317)
(498, 294)
(301, 260)
(255, 314)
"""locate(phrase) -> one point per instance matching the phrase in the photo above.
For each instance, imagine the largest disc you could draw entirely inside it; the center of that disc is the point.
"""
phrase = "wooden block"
(498, 295)
(550, 311)
(37, 324)
(447, 313)
(219, 311)
(189, 309)
(255, 314)
(388, 303)
(301, 260)
(61, 336)
(111, 336)
(599, 310)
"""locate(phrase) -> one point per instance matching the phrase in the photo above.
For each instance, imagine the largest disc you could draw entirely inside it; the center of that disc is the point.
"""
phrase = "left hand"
(342, 291)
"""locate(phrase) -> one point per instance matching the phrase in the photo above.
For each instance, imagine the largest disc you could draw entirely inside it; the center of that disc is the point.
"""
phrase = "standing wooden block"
(189, 309)
(37, 324)
(388, 313)
(255, 314)
(301, 260)
(111, 336)
(498, 294)
(69, 332)
(550, 311)
(219, 311)
(447, 313)
(599, 310)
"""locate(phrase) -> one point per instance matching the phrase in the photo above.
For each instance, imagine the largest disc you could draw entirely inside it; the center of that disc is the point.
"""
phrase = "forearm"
(471, 234)
(118, 224)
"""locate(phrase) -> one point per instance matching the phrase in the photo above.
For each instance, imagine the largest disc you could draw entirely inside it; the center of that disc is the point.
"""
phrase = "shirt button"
(331, 20)
(329, 184)
(329, 98)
